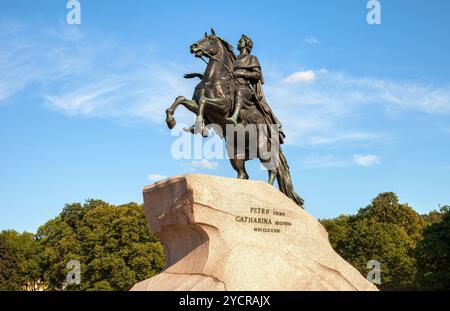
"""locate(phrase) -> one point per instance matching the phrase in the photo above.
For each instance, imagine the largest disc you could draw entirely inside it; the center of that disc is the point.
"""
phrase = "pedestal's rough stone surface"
(230, 234)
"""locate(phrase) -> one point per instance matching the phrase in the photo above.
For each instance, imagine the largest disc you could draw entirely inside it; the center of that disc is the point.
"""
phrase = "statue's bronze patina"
(229, 97)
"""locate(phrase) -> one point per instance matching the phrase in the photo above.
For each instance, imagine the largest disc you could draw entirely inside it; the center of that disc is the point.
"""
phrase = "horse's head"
(207, 46)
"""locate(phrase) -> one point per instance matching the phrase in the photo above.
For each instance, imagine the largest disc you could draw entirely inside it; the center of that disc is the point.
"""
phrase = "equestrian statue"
(230, 100)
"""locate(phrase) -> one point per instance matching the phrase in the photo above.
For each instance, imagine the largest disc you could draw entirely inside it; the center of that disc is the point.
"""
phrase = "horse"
(212, 102)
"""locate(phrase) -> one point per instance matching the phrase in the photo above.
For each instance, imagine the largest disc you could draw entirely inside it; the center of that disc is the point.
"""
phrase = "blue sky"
(366, 107)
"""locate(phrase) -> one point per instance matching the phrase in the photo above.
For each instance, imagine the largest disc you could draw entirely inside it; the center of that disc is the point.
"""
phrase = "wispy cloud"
(79, 75)
(324, 161)
(87, 100)
(331, 161)
(366, 160)
(156, 177)
(34, 56)
(201, 164)
(327, 108)
(312, 40)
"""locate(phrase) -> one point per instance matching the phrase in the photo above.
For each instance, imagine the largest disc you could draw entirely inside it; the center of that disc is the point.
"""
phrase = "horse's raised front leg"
(216, 103)
(190, 104)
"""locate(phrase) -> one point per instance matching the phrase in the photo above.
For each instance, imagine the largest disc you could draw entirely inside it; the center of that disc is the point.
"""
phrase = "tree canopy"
(27, 254)
(115, 249)
(433, 254)
(112, 244)
(385, 231)
(9, 278)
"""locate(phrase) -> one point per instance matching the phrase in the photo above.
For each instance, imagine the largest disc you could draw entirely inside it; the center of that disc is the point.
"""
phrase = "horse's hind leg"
(272, 171)
(190, 104)
(239, 167)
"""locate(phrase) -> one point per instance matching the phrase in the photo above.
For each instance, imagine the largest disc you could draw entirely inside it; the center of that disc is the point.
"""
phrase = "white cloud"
(156, 177)
(328, 110)
(342, 138)
(76, 74)
(34, 56)
(366, 160)
(301, 76)
(87, 100)
(331, 161)
(324, 161)
(79, 75)
(201, 164)
(312, 40)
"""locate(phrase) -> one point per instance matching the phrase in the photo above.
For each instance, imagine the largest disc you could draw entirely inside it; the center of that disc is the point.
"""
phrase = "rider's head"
(245, 43)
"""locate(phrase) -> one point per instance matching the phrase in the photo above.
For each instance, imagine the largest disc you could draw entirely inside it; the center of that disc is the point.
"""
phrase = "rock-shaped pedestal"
(229, 234)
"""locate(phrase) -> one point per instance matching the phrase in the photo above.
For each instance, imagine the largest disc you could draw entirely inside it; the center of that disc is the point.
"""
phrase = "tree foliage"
(112, 244)
(433, 254)
(9, 279)
(28, 258)
(386, 231)
(115, 249)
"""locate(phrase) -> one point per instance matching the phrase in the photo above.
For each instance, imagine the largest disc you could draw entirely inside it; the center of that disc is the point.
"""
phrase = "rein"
(221, 62)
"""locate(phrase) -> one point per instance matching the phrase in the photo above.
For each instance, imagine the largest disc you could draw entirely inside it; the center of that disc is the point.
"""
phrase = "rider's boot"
(234, 117)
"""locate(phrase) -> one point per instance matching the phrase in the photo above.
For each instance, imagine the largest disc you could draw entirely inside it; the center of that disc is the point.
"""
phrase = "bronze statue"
(230, 97)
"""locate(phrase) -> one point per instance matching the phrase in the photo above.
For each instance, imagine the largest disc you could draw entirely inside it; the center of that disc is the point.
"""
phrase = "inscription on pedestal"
(265, 220)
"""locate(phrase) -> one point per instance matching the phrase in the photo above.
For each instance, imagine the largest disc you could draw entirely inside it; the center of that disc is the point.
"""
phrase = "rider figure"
(248, 74)
(247, 71)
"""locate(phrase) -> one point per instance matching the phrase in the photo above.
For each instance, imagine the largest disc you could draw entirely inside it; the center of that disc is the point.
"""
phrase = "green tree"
(117, 248)
(385, 208)
(9, 279)
(386, 231)
(435, 216)
(386, 243)
(28, 258)
(433, 254)
(337, 228)
(112, 244)
(60, 245)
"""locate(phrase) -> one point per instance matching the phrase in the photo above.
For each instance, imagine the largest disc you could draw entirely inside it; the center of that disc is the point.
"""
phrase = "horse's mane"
(228, 47)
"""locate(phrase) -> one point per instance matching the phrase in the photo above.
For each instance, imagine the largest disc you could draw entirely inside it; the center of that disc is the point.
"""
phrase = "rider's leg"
(243, 94)
(234, 118)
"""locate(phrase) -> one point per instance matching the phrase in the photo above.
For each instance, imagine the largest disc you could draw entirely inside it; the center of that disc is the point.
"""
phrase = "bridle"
(230, 72)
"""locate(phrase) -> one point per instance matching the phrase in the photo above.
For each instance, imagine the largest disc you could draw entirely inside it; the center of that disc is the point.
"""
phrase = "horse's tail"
(285, 181)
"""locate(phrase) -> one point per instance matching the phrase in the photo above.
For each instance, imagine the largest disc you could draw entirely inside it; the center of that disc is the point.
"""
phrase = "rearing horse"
(213, 101)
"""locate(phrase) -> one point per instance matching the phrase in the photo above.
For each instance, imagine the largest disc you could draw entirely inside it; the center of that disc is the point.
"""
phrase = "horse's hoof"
(201, 129)
(171, 122)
